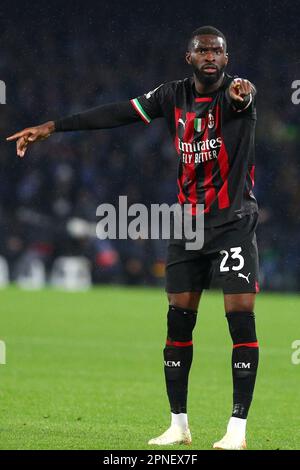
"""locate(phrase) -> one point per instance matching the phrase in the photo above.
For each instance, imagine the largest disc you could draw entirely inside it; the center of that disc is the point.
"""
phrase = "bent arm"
(240, 94)
(105, 116)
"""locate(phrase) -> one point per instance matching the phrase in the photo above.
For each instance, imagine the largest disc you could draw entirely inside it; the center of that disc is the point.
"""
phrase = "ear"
(227, 58)
(188, 57)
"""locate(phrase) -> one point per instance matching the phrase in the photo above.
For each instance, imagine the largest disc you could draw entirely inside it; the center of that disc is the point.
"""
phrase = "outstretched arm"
(102, 117)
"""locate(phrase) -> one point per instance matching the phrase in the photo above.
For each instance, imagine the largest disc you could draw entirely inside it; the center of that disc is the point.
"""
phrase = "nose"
(210, 56)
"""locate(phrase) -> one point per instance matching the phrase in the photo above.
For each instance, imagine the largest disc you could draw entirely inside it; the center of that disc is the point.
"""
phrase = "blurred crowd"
(51, 73)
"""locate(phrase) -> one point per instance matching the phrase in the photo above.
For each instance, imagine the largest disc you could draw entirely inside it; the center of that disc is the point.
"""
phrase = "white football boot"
(234, 438)
(230, 442)
(173, 435)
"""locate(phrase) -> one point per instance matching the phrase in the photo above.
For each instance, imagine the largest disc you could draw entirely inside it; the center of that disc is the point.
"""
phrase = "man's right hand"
(30, 135)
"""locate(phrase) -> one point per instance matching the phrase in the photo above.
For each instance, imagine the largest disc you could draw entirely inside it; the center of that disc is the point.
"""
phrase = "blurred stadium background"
(58, 59)
(84, 369)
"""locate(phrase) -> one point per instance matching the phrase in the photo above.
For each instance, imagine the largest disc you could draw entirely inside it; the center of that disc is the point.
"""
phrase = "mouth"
(209, 69)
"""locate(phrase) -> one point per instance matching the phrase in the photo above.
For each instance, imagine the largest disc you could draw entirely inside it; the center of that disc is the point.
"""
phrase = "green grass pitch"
(84, 371)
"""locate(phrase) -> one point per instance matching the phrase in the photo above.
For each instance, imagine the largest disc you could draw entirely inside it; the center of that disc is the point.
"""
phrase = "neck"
(203, 88)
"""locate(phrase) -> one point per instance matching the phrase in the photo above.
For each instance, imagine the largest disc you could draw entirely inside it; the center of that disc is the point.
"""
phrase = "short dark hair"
(206, 30)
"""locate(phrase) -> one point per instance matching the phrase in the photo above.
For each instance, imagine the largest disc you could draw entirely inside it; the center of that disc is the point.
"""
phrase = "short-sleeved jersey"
(214, 143)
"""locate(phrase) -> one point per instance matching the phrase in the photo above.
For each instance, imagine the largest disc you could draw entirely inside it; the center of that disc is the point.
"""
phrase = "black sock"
(178, 356)
(245, 356)
(177, 366)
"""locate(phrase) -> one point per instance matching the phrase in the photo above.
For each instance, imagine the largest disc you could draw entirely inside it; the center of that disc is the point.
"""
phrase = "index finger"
(17, 135)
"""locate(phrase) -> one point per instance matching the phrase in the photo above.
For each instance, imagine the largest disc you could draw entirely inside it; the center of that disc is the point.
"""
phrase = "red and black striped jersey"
(214, 143)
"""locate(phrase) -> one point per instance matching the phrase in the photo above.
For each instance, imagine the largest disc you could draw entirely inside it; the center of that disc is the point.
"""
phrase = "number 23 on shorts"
(232, 260)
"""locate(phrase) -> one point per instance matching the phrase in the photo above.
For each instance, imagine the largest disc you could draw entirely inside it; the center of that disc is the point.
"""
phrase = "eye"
(218, 52)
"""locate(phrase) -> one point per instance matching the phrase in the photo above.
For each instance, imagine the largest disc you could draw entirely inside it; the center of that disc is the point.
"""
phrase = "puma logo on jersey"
(245, 277)
(181, 121)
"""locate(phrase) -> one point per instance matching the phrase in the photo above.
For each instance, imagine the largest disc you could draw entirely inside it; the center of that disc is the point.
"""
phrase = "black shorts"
(229, 259)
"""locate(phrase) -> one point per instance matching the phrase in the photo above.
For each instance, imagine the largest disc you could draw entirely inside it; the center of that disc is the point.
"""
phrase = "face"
(208, 58)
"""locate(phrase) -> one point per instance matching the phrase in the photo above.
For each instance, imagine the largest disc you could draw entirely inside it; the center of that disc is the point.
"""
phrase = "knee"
(181, 323)
(185, 300)
(239, 302)
(242, 327)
